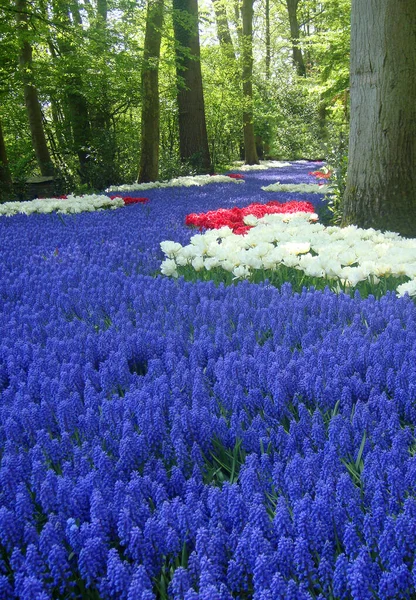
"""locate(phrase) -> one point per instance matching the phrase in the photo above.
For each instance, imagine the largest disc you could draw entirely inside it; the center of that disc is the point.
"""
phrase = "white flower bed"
(70, 205)
(349, 255)
(302, 188)
(306, 162)
(177, 182)
(264, 164)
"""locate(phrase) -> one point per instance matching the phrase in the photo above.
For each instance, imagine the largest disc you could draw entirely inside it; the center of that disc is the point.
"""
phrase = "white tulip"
(171, 249)
(198, 263)
(407, 288)
(168, 267)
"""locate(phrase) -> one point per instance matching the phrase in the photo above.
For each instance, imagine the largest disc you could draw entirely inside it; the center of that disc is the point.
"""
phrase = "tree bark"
(381, 183)
(77, 107)
(250, 153)
(193, 138)
(292, 9)
(268, 43)
(33, 109)
(6, 183)
(150, 133)
(223, 30)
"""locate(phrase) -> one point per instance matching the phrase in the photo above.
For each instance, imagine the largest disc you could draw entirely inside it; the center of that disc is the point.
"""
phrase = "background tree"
(93, 53)
(381, 183)
(5, 175)
(250, 152)
(75, 106)
(33, 107)
(150, 129)
(193, 138)
(292, 9)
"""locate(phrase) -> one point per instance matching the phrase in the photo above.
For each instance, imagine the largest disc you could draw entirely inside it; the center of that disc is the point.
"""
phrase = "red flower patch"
(131, 200)
(320, 174)
(235, 176)
(234, 217)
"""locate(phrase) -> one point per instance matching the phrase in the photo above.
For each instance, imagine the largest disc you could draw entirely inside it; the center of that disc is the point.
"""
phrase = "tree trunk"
(33, 109)
(323, 120)
(250, 153)
(193, 138)
(292, 9)
(5, 176)
(223, 30)
(101, 120)
(77, 107)
(268, 44)
(381, 183)
(150, 133)
(102, 9)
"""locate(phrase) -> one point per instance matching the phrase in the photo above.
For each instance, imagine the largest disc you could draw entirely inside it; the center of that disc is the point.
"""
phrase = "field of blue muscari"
(170, 439)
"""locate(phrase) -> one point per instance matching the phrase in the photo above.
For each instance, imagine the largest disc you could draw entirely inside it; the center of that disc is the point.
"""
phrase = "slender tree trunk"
(6, 183)
(102, 115)
(223, 30)
(102, 9)
(268, 44)
(322, 120)
(77, 107)
(250, 153)
(150, 133)
(292, 8)
(238, 20)
(193, 138)
(381, 183)
(33, 109)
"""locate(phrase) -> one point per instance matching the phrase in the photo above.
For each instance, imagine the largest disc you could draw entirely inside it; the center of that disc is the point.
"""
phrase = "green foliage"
(337, 162)
(298, 280)
(99, 62)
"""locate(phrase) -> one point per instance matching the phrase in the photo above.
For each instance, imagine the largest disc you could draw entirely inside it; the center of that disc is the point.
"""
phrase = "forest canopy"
(85, 65)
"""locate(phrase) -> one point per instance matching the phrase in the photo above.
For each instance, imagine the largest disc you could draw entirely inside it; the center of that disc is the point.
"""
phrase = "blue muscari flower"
(11, 530)
(117, 582)
(278, 587)
(140, 586)
(351, 541)
(177, 482)
(340, 580)
(282, 522)
(24, 504)
(237, 576)
(362, 579)
(296, 592)
(304, 565)
(264, 570)
(59, 567)
(396, 583)
(237, 508)
(285, 557)
(92, 560)
(180, 584)
(6, 589)
(33, 589)
(387, 540)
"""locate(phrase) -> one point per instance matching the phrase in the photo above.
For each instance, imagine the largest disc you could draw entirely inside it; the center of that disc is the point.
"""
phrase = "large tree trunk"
(33, 109)
(292, 9)
(150, 133)
(250, 153)
(5, 176)
(381, 183)
(193, 138)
